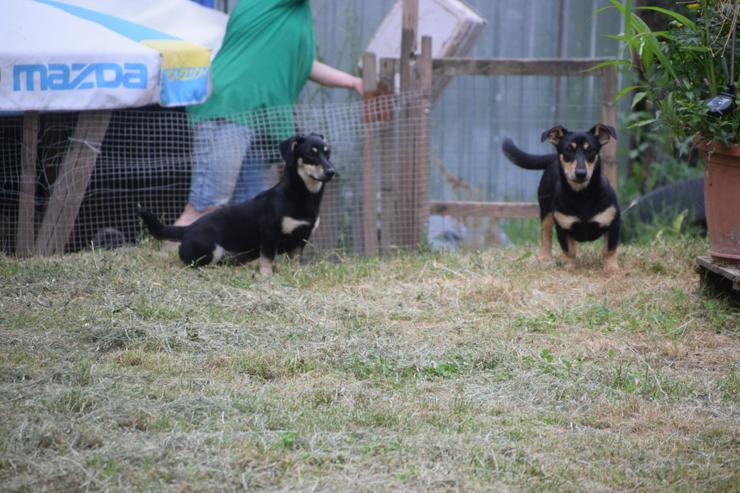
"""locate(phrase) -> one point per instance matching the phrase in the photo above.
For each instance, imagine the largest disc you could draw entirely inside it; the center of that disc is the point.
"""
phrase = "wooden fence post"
(70, 186)
(422, 148)
(609, 117)
(389, 185)
(407, 217)
(24, 237)
(370, 153)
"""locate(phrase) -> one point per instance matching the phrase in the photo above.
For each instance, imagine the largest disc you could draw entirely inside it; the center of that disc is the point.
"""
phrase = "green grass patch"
(422, 371)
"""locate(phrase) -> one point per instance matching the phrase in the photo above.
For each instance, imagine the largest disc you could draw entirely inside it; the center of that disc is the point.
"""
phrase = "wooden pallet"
(727, 274)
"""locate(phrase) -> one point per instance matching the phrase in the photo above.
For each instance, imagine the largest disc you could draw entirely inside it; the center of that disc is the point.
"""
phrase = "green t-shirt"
(264, 61)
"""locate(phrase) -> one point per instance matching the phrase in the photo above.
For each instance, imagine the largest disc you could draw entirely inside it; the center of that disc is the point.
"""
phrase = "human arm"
(330, 76)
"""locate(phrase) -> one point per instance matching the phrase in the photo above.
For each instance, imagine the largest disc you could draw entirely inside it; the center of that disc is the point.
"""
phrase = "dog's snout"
(330, 172)
(581, 174)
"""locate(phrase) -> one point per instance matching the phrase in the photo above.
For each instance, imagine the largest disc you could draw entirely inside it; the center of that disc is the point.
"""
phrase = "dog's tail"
(524, 159)
(159, 230)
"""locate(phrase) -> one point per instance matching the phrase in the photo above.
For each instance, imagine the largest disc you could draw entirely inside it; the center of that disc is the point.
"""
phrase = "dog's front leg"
(266, 265)
(571, 252)
(569, 246)
(546, 238)
(268, 251)
(611, 240)
(296, 253)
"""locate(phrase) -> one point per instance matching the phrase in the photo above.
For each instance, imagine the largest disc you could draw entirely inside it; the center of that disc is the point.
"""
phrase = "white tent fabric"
(64, 55)
(184, 19)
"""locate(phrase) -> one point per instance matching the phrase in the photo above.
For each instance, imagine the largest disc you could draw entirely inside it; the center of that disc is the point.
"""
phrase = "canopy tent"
(94, 56)
(72, 55)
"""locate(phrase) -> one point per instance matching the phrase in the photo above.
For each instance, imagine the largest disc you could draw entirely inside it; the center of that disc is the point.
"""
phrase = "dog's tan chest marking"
(305, 171)
(290, 224)
(564, 220)
(605, 217)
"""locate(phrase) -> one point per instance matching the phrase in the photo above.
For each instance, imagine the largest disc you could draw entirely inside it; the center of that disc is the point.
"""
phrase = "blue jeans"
(227, 168)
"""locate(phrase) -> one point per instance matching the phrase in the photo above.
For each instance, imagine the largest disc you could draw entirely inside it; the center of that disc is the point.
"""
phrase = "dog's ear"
(603, 133)
(287, 147)
(554, 135)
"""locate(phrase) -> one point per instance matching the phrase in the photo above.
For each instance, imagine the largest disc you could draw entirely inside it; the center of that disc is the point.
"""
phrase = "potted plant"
(689, 73)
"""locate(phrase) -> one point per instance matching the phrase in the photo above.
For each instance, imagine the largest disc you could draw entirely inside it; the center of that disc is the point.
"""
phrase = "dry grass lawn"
(125, 371)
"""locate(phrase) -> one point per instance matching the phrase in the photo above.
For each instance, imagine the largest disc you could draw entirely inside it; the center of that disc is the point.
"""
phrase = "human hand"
(357, 85)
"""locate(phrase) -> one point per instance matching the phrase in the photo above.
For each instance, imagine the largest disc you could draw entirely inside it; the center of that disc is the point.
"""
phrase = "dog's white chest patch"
(290, 224)
(218, 253)
(564, 220)
(605, 217)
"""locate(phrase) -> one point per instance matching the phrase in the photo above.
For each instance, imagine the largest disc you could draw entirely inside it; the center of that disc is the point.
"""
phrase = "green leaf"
(678, 221)
(643, 123)
(675, 15)
(609, 63)
(625, 91)
(638, 97)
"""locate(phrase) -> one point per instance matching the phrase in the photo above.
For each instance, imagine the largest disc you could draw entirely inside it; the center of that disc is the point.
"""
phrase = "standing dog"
(278, 220)
(573, 193)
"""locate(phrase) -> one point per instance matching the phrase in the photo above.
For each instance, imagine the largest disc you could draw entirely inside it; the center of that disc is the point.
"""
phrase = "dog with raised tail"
(574, 194)
(278, 220)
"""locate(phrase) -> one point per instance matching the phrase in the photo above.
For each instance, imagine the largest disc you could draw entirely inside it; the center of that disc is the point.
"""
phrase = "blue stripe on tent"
(179, 87)
(131, 30)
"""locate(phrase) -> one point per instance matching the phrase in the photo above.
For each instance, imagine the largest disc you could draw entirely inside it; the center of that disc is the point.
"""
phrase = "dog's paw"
(569, 263)
(545, 260)
(169, 246)
(611, 267)
(610, 263)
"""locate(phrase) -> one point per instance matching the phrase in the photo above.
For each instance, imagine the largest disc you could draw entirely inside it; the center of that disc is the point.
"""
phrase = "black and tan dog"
(278, 220)
(573, 193)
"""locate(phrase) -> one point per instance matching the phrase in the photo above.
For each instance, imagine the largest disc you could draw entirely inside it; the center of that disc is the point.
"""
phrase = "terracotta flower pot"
(722, 200)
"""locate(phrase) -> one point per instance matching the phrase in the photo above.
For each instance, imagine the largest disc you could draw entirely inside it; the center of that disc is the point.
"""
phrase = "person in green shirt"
(267, 55)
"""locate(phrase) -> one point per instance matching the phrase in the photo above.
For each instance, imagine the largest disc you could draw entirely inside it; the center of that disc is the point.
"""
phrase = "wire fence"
(77, 179)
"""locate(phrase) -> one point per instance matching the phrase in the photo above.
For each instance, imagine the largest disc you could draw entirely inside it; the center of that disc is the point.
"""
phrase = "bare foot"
(189, 216)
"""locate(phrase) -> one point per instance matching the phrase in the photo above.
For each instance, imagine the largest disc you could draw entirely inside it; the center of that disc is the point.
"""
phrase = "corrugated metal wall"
(476, 113)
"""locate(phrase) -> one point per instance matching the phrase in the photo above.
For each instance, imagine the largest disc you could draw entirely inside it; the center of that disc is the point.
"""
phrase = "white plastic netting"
(91, 170)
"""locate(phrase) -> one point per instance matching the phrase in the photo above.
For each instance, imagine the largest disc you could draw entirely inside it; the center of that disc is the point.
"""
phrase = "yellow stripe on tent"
(180, 54)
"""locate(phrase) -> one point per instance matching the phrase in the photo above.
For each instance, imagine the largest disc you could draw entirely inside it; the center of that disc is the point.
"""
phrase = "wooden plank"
(728, 271)
(489, 67)
(409, 28)
(609, 117)
(70, 186)
(405, 235)
(521, 210)
(422, 148)
(24, 238)
(388, 162)
(370, 146)
(451, 67)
